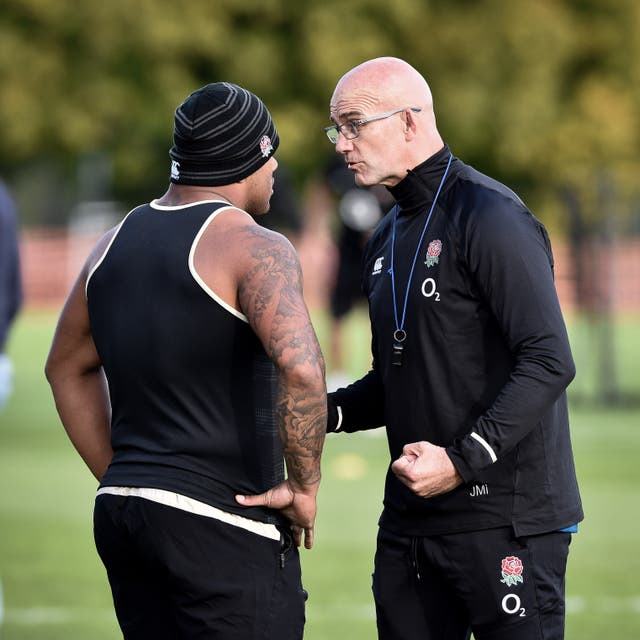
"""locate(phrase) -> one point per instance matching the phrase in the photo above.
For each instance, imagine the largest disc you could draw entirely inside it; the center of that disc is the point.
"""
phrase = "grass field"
(54, 586)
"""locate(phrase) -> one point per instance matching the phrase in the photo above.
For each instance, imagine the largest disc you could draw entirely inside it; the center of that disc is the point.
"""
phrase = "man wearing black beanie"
(187, 375)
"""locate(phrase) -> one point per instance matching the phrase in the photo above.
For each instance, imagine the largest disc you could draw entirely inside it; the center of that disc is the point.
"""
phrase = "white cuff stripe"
(485, 444)
(339, 419)
(191, 505)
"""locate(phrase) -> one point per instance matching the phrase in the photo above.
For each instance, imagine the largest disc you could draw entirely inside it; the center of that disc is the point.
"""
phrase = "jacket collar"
(416, 191)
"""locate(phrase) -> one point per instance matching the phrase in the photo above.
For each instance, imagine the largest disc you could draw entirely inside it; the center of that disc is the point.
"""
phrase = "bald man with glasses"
(470, 366)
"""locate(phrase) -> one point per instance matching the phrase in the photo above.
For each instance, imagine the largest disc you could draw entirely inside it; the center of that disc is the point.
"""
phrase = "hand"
(297, 505)
(426, 469)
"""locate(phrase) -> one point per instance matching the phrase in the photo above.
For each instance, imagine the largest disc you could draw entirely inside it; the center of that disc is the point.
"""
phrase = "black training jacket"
(486, 359)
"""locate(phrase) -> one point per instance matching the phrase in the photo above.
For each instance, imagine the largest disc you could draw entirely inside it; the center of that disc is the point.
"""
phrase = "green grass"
(55, 587)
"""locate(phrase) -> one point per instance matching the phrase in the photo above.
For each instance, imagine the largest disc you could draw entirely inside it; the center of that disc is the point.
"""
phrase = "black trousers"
(175, 575)
(489, 582)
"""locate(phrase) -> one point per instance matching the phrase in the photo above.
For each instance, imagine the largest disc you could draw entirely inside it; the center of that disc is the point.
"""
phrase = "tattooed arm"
(270, 295)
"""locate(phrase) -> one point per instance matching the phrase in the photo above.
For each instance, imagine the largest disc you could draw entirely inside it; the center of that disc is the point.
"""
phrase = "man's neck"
(178, 194)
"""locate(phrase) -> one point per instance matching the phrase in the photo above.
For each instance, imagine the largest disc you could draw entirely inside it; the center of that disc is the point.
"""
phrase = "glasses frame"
(334, 131)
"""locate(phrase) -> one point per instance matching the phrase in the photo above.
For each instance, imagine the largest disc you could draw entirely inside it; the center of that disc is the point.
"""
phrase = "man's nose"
(343, 144)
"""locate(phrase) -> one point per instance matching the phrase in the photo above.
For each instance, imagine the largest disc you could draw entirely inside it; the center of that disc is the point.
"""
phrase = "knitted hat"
(222, 133)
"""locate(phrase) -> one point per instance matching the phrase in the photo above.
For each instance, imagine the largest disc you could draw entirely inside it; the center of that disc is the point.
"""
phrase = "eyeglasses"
(350, 129)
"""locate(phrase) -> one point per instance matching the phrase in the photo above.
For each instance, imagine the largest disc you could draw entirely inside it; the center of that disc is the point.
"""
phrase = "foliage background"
(542, 94)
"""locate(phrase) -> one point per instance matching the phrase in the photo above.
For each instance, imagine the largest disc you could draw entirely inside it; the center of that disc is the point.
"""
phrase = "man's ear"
(410, 125)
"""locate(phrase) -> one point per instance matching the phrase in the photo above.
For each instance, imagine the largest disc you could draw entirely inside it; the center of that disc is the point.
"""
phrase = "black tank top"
(192, 389)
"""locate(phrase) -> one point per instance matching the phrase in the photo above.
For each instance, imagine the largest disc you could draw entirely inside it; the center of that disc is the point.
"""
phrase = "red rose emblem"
(512, 570)
(434, 248)
(265, 146)
(433, 251)
(512, 566)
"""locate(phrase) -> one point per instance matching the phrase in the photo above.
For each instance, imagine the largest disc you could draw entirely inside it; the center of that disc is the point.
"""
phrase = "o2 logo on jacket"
(430, 290)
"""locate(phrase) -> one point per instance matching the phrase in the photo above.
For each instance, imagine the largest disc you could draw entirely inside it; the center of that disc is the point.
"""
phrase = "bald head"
(374, 92)
(386, 83)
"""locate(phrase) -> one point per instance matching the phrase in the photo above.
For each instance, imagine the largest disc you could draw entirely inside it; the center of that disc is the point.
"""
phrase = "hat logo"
(175, 169)
(265, 146)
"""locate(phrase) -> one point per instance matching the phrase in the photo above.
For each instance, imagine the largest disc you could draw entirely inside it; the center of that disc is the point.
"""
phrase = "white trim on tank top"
(196, 275)
(104, 255)
(159, 207)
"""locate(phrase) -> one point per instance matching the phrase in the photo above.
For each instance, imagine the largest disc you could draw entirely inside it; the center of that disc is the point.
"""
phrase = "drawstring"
(414, 557)
(285, 545)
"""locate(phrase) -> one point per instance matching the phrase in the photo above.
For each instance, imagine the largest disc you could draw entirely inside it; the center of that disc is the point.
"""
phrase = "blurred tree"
(543, 94)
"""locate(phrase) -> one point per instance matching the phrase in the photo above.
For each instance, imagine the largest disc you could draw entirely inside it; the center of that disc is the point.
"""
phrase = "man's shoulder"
(248, 245)
(478, 201)
(251, 233)
(483, 191)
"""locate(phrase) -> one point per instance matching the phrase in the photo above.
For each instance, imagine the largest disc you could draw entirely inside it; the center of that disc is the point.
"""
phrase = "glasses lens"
(350, 130)
(332, 134)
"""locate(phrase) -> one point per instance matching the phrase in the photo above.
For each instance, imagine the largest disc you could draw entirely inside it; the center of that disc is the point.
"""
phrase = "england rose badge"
(265, 146)
(433, 252)
(512, 571)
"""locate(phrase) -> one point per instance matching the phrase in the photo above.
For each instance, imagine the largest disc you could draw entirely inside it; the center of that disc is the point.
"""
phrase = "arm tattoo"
(271, 297)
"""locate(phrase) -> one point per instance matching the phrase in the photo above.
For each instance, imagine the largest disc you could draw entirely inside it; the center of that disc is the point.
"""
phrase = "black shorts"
(177, 575)
(489, 582)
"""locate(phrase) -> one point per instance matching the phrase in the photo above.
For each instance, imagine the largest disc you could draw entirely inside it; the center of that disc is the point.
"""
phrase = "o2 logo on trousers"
(511, 604)
(512, 570)
(429, 289)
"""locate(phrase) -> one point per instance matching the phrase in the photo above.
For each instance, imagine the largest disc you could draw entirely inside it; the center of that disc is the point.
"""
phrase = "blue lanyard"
(399, 335)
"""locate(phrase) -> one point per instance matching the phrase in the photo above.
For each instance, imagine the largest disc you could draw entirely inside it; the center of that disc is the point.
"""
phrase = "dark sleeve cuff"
(466, 473)
(470, 455)
(334, 417)
(358, 407)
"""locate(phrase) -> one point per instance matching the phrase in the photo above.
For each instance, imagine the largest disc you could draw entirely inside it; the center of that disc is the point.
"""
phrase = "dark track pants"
(443, 587)
(176, 575)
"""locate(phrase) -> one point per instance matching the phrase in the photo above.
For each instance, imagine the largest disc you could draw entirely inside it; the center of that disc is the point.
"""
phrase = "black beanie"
(222, 133)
